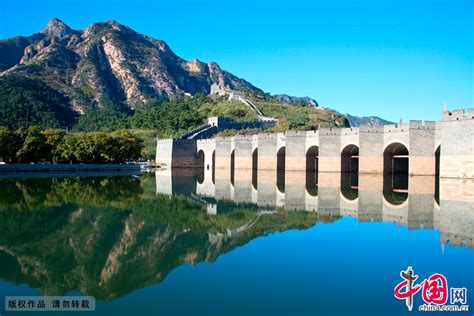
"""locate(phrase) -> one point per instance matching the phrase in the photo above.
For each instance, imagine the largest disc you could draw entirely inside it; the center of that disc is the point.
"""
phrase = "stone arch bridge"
(444, 148)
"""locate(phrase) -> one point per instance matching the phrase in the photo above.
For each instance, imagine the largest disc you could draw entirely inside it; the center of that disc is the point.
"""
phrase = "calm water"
(196, 243)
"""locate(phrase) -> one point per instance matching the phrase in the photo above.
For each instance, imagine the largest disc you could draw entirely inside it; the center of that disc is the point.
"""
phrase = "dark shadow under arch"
(395, 188)
(255, 168)
(312, 183)
(350, 185)
(214, 167)
(232, 166)
(437, 172)
(312, 155)
(396, 159)
(200, 158)
(281, 157)
(350, 159)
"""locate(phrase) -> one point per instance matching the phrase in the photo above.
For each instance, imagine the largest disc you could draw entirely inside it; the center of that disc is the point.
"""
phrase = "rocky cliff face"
(109, 63)
(291, 100)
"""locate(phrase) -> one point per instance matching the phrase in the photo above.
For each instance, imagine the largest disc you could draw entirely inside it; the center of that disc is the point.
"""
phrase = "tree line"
(33, 144)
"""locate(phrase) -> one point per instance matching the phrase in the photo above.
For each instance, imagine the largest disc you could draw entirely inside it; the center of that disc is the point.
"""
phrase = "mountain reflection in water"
(62, 234)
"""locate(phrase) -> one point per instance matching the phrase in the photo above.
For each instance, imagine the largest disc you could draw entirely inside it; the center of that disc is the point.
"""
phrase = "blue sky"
(391, 58)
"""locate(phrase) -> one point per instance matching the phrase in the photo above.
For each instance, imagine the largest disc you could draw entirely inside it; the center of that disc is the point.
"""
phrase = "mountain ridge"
(108, 61)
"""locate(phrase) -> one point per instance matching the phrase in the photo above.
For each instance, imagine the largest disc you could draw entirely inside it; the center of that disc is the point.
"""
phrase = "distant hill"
(287, 99)
(356, 121)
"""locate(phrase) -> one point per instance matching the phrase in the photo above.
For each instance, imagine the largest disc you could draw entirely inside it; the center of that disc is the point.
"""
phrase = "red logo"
(435, 288)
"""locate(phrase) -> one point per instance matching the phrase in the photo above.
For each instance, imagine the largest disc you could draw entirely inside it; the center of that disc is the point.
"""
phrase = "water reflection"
(417, 202)
(350, 185)
(87, 234)
(395, 188)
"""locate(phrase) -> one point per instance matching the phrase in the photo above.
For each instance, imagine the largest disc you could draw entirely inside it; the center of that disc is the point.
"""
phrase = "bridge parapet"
(262, 136)
(371, 129)
(330, 131)
(427, 125)
(290, 134)
(396, 128)
(225, 138)
(313, 133)
(470, 113)
(240, 137)
(206, 141)
(349, 131)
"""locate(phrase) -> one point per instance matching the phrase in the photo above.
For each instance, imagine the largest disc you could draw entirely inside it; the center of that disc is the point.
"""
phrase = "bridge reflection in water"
(419, 202)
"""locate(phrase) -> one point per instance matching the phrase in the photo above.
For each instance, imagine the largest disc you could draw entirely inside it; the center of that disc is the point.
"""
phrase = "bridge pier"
(329, 150)
(243, 151)
(295, 151)
(457, 144)
(267, 188)
(224, 147)
(371, 140)
(422, 148)
(267, 151)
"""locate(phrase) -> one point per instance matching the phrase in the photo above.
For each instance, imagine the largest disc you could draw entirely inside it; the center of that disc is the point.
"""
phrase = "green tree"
(25, 102)
(107, 119)
(235, 111)
(126, 146)
(67, 149)
(296, 120)
(34, 147)
(9, 144)
(54, 137)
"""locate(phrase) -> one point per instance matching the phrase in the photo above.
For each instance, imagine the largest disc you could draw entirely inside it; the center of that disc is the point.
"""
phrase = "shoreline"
(32, 168)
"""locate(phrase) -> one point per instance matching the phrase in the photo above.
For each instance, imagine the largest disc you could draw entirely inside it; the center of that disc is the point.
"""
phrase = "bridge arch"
(311, 183)
(438, 161)
(312, 155)
(437, 172)
(232, 167)
(281, 157)
(255, 159)
(350, 158)
(255, 168)
(396, 159)
(200, 161)
(214, 167)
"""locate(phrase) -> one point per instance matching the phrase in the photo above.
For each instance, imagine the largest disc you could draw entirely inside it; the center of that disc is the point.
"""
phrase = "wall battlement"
(422, 125)
(350, 131)
(456, 115)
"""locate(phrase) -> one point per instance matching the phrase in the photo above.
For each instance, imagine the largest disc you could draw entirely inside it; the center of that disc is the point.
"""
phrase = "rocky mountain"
(291, 100)
(356, 121)
(109, 63)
